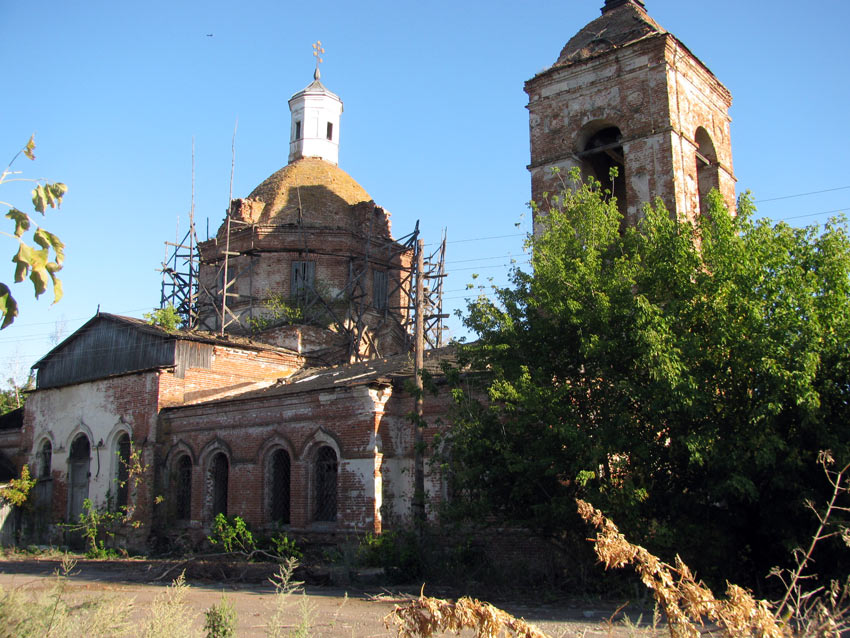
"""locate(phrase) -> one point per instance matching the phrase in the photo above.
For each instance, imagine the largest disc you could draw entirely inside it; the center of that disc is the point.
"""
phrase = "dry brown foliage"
(424, 616)
(686, 603)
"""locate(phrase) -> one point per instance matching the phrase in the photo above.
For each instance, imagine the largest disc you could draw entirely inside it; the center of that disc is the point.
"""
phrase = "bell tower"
(626, 94)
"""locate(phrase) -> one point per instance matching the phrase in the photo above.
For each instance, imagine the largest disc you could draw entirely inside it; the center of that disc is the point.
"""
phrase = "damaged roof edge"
(375, 371)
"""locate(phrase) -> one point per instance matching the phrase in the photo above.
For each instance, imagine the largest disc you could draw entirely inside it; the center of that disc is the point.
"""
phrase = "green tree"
(682, 377)
(33, 257)
(166, 318)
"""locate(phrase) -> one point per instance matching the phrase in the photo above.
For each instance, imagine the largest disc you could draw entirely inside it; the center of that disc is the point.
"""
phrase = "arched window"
(122, 474)
(707, 175)
(218, 476)
(44, 486)
(45, 460)
(325, 484)
(79, 461)
(602, 152)
(183, 488)
(279, 479)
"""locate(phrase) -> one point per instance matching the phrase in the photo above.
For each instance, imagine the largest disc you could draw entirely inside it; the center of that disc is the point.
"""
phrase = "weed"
(220, 620)
(825, 610)
(285, 587)
(94, 524)
(425, 616)
(55, 613)
(170, 614)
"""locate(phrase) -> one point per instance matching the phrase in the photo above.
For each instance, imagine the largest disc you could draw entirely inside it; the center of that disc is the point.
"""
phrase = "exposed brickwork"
(233, 371)
(348, 428)
(654, 91)
(311, 211)
(367, 426)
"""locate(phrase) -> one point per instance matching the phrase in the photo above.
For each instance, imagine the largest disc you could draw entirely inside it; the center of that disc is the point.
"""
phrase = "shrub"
(399, 553)
(285, 547)
(233, 534)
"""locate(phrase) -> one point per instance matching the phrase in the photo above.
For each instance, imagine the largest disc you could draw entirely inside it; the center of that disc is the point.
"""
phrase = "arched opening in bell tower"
(707, 176)
(600, 153)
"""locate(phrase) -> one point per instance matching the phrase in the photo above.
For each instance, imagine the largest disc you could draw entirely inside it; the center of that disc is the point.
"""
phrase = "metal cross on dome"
(318, 51)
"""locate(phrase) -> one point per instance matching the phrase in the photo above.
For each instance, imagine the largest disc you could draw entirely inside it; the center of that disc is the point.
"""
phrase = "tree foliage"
(166, 318)
(683, 377)
(33, 258)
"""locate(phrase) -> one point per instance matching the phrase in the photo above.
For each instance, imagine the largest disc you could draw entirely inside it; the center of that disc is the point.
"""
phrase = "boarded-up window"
(280, 471)
(379, 289)
(122, 479)
(183, 488)
(218, 477)
(325, 482)
(303, 279)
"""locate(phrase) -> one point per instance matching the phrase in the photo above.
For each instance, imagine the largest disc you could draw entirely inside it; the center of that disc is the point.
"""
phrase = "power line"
(463, 261)
(776, 199)
(826, 212)
(511, 265)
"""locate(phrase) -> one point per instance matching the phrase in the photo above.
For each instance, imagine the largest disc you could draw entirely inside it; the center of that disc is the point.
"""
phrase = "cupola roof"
(622, 22)
(315, 88)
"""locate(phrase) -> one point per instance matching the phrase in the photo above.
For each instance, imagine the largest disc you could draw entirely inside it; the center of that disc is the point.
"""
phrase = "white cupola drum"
(315, 120)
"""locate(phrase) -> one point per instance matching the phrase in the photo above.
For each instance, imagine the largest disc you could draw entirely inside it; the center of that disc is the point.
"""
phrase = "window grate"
(183, 489)
(379, 289)
(219, 477)
(280, 480)
(326, 479)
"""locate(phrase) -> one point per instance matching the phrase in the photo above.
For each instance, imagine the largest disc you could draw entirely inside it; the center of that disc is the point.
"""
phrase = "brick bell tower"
(625, 93)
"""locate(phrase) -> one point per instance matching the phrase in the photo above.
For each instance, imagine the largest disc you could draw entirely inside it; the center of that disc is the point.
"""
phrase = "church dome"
(323, 192)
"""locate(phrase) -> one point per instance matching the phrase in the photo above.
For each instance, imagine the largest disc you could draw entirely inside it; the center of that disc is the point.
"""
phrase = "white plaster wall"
(61, 414)
(315, 111)
(361, 489)
(397, 490)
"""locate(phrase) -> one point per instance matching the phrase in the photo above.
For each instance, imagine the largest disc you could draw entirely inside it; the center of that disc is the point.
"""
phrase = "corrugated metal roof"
(142, 326)
(109, 345)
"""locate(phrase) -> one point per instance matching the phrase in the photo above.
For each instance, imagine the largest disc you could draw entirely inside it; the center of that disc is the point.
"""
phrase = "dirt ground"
(350, 612)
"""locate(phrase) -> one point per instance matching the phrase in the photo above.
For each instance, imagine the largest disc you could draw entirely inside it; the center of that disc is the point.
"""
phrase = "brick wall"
(657, 94)
(234, 370)
(366, 426)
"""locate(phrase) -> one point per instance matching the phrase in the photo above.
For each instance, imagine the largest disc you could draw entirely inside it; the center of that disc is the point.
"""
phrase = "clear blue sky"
(434, 127)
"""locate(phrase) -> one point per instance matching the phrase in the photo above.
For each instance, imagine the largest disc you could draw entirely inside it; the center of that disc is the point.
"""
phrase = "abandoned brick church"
(288, 401)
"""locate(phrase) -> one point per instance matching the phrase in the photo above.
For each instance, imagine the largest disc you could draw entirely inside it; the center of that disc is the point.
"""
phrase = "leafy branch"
(18, 489)
(33, 258)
